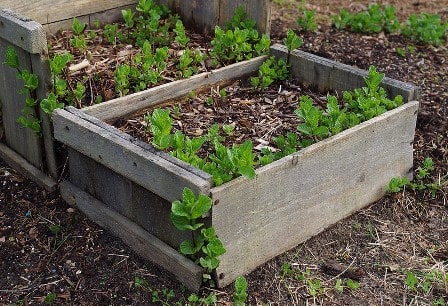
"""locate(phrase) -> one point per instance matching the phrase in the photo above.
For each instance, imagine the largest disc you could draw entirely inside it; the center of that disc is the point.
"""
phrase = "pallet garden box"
(127, 186)
(39, 157)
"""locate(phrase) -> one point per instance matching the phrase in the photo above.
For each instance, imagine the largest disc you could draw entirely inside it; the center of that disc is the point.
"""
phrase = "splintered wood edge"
(139, 240)
(21, 31)
(25, 168)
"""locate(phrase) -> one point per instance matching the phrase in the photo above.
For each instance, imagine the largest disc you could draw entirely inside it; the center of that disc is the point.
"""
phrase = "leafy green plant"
(204, 247)
(194, 299)
(292, 41)
(146, 68)
(110, 33)
(425, 281)
(189, 62)
(238, 44)
(240, 20)
(371, 100)
(79, 40)
(316, 124)
(50, 298)
(240, 293)
(425, 28)
(375, 19)
(240, 41)
(423, 180)
(307, 20)
(28, 119)
(286, 146)
(223, 163)
(270, 71)
(181, 36)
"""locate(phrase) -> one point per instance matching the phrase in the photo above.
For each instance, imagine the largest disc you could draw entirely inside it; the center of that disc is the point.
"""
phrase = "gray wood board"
(139, 165)
(22, 31)
(329, 75)
(125, 197)
(25, 168)
(46, 11)
(18, 138)
(126, 106)
(143, 243)
(300, 195)
(141, 144)
(204, 15)
(41, 68)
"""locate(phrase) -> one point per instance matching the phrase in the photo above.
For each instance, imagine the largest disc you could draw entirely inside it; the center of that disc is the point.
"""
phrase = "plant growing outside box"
(294, 196)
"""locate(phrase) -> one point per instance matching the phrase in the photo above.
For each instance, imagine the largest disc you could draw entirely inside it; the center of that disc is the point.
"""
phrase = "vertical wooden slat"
(20, 139)
(204, 15)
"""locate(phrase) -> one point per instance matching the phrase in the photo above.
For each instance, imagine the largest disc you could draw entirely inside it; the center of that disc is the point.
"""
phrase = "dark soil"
(48, 247)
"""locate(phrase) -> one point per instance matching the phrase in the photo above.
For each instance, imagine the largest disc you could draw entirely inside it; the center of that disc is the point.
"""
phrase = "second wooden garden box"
(127, 186)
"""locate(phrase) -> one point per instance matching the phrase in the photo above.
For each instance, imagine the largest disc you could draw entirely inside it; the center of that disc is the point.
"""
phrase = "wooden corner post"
(33, 155)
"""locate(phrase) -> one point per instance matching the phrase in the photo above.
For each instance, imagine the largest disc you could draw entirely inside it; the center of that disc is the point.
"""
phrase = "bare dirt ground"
(48, 247)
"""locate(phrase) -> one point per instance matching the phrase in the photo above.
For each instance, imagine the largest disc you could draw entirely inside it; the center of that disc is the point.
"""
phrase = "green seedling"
(425, 28)
(181, 36)
(240, 293)
(204, 247)
(28, 118)
(307, 20)
(375, 19)
(239, 41)
(272, 70)
(128, 17)
(423, 180)
(228, 129)
(240, 20)
(79, 40)
(50, 298)
(194, 299)
(292, 41)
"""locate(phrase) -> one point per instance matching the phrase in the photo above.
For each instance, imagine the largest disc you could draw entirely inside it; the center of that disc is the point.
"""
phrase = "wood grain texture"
(141, 144)
(326, 75)
(41, 67)
(143, 243)
(204, 15)
(26, 169)
(139, 165)
(126, 106)
(300, 195)
(22, 140)
(22, 32)
(47, 11)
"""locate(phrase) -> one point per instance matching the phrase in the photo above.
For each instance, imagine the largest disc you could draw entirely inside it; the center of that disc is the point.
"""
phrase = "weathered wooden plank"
(204, 15)
(41, 67)
(22, 31)
(141, 206)
(104, 17)
(139, 165)
(125, 106)
(45, 11)
(18, 138)
(143, 243)
(141, 144)
(326, 75)
(300, 195)
(25, 168)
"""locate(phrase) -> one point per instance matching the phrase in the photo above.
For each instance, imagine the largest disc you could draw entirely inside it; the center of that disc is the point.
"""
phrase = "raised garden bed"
(39, 157)
(127, 186)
